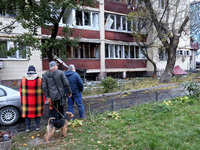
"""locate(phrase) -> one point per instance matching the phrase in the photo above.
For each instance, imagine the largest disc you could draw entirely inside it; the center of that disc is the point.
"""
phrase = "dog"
(59, 124)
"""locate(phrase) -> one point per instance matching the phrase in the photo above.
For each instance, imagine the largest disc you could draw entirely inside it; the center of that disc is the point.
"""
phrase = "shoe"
(37, 128)
(27, 130)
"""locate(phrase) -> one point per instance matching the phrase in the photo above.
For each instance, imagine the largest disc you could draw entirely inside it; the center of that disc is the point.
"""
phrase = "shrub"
(192, 87)
(109, 84)
(160, 107)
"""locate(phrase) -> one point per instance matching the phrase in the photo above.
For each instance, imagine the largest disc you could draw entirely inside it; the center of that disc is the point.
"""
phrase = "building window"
(80, 18)
(115, 51)
(85, 50)
(163, 55)
(161, 4)
(121, 23)
(19, 54)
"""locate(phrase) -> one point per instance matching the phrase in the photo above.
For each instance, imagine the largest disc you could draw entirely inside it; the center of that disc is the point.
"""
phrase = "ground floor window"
(122, 51)
(10, 46)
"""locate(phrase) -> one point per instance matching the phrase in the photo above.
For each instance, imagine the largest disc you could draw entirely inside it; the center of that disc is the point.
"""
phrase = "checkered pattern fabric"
(32, 98)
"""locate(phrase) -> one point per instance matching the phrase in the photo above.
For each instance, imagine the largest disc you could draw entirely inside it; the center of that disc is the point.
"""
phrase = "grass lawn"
(139, 83)
(161, 125)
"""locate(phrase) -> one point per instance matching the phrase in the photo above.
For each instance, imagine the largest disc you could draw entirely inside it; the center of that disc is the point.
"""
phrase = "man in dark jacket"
(54, 82)
(76, 85)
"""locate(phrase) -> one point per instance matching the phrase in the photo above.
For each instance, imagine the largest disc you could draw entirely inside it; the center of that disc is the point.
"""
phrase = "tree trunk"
(154, 70)
(167, 75)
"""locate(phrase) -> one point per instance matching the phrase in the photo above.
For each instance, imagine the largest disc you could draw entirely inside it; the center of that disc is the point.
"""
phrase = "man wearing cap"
(54, 82)
(32, 98)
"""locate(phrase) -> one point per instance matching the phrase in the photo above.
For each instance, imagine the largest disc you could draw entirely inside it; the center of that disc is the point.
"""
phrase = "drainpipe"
(102, 40)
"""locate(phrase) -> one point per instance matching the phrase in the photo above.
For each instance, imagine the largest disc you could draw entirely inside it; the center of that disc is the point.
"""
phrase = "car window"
(2, 93)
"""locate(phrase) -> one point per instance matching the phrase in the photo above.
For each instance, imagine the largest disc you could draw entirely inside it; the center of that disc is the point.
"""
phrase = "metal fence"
(128, 99)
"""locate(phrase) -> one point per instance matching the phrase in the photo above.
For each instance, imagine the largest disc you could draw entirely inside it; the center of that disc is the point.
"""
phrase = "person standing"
(54, 82)
(76, 85)
(32, 98)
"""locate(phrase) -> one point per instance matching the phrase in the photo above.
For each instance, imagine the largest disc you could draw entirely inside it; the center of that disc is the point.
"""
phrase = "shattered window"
(132, 53)
(79, 19)
(123, 23)
(68, 17)
(87, 21)
(87, 52)
(137, 51)
(76, 53)
(118, 22)
(129, 25)
(112, 51)
(95, 20)
(81, 51)
(126, 51)
(116, 51)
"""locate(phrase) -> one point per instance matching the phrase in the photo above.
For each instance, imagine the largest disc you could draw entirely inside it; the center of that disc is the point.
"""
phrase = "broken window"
(129, 25)
(132, 52)
(95, 20)
(87, 21)
(122, 51)
(126, 51)
(68, 17)
(117, 22)
(85, 50)
(79, 18)
(124, 23)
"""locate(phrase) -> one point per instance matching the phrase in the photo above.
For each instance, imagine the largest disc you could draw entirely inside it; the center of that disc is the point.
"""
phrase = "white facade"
(183, 56)
(17, 65)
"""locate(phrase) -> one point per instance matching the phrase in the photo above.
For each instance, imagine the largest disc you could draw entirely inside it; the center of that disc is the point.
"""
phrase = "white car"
(10, 105)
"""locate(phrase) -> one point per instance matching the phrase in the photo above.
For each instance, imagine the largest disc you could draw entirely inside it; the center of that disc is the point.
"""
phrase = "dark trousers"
(56, 107)
(28, 121)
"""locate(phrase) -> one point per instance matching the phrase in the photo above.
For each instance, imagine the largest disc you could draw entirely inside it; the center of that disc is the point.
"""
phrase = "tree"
(142, 27)
(33, 14)
(170, 22)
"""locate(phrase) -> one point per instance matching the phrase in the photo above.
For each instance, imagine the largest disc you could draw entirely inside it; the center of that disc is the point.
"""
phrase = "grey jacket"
(49, 88)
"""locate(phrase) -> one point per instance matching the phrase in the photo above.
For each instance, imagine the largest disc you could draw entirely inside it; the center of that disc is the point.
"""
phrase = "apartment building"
(13, 68)
(107, 47)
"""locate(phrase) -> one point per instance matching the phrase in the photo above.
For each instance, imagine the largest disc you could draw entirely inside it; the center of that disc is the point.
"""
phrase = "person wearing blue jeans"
(76, 85)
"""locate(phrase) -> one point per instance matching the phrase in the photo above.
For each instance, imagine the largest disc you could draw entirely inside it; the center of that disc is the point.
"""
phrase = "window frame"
(73, 20)
(120, 53)
(9, 45)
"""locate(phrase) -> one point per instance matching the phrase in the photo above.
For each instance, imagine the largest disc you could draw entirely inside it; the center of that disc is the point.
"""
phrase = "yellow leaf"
(99, 142)
(24, 144)
(32, 137)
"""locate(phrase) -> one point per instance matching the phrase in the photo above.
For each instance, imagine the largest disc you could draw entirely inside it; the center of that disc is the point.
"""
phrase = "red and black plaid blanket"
(32, 98)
